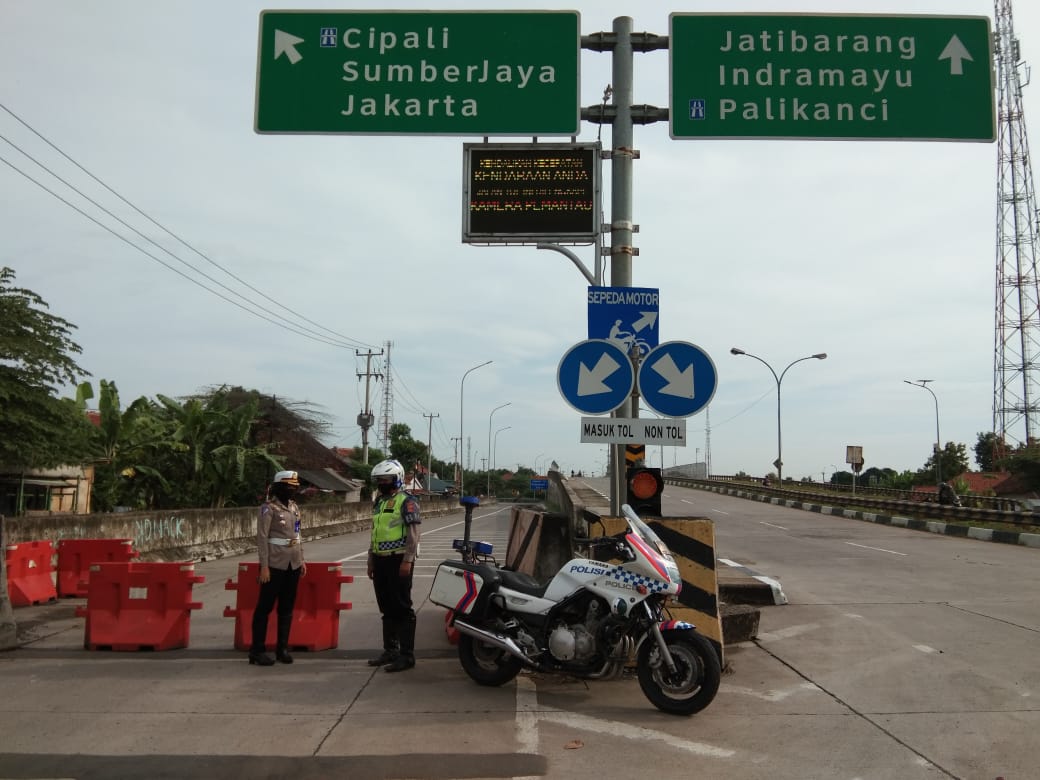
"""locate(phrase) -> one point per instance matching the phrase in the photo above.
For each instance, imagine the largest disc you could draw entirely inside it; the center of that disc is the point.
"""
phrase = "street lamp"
(938, 442)
(503, 406)
(462, 385)
(494, 450)
(779, 463)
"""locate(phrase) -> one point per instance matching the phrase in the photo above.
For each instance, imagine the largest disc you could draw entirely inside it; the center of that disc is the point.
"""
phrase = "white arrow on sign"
(680, 383)
(284, 43)
(590, 381)
(646, 321)
(956, 53)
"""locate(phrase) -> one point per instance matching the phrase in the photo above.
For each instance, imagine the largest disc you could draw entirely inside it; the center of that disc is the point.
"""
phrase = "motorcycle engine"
(568, 643)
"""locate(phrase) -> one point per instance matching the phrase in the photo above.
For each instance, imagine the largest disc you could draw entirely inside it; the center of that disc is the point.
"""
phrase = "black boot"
(282, 648)
(390, 645)
(406, 636)
(260, 658)
(257, 650)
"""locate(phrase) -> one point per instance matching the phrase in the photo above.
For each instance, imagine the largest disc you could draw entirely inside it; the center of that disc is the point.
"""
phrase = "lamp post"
(938, 442)
(503, 406)
(494, 449)
(779, 463)
(462, 385)
(536, 457)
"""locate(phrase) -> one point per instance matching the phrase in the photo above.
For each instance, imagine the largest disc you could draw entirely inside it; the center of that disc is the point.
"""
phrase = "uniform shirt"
(278, 521)
(410, 514)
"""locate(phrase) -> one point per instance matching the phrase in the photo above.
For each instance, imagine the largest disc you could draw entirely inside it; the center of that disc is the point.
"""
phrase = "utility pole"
(366, 418)
(429, 450)
(456, 448)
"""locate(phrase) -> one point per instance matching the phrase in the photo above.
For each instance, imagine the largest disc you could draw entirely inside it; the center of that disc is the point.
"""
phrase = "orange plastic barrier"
(30, 570)
(76, 555)
(315, 623)
(139, 606)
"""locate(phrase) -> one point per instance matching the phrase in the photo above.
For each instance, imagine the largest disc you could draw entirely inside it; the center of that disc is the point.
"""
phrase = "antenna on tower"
(1016, 371)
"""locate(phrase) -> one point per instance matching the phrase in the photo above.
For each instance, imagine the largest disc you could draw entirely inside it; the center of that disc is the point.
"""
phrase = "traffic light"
(643, 489)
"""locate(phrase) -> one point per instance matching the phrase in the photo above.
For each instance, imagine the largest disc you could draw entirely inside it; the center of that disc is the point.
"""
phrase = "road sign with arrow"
(677, 379)
(626, 316)
(595, 376)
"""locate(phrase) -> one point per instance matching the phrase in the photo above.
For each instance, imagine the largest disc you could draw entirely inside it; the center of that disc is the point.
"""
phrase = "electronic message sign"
(530, 193)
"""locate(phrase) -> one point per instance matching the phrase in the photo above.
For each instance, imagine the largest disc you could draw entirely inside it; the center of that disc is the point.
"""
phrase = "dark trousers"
(281, 588)
(394, 597)
(393, 592)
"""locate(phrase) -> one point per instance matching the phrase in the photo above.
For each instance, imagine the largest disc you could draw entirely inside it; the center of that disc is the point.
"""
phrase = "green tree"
(986, 451)
(36, 357)
(404, 448)
(953, 461)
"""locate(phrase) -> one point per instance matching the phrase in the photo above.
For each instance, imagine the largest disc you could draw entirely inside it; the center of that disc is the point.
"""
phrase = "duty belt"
(280, 542)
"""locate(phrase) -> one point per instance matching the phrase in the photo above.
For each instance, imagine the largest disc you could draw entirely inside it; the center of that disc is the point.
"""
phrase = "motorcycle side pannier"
(458, 585)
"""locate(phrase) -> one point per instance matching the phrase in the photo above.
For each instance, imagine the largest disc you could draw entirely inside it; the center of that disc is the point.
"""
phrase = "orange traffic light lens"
(643, 485)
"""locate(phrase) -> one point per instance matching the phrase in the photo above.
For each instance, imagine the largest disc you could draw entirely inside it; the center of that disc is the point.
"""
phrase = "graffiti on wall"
(148, 531)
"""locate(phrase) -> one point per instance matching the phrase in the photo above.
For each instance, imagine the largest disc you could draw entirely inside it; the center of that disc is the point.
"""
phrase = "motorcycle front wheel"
(485, 664)
(697, 673)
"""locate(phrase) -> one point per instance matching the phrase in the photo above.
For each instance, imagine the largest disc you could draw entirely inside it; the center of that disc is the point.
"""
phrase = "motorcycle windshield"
(644, 532)
(653, 549)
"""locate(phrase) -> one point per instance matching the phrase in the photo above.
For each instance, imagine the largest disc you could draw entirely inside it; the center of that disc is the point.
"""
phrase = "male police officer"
(391, 557)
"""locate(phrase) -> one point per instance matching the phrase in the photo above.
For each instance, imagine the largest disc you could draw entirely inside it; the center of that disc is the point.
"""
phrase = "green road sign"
(421, 72)
(837, 77)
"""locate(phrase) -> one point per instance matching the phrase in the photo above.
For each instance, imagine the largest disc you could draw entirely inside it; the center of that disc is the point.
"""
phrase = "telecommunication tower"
(386, 419)
(1016, 372)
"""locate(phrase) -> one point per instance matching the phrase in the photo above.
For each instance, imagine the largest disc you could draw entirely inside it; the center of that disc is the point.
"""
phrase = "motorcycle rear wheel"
(696, 679)
(485, 664)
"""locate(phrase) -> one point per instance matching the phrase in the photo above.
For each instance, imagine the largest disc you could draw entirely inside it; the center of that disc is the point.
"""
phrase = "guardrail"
(918, 509)
(919, 496)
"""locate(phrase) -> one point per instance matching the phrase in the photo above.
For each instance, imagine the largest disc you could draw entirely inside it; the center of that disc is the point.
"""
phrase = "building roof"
(327, 479)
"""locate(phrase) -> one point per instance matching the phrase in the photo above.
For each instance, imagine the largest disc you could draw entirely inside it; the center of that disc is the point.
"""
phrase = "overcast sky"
(881, 254)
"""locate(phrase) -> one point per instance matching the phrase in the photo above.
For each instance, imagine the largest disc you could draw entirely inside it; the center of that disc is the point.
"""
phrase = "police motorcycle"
(587, 621)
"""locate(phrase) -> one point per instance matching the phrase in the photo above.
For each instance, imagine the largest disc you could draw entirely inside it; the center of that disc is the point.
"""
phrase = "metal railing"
(911, 503)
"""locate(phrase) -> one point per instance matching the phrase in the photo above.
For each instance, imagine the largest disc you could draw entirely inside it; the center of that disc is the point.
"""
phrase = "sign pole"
(621, 251)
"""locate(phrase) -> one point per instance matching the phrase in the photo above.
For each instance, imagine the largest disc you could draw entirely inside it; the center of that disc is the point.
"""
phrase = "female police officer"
(280, 547)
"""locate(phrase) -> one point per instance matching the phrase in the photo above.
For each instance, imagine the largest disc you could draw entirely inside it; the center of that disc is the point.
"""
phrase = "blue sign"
(626, 316)
(677, 379)
(595, 377)
(539, 484)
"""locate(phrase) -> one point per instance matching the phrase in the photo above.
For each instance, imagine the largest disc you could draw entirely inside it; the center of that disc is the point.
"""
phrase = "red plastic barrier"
(76, 555)
(315, 623)
(30, 570)
(449, 630)
(139, 606)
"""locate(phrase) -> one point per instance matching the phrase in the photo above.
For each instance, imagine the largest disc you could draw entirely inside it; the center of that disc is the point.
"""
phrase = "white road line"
(720, 512)
(772, 525)
(925, 649)
(879, 549)
(770, 695)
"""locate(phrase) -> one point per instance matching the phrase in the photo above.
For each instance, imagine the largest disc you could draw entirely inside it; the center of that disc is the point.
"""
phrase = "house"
(63, 490)
(314, 482)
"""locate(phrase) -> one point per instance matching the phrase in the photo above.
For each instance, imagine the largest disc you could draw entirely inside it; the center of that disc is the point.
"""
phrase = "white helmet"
(288, 477)
(389, 468)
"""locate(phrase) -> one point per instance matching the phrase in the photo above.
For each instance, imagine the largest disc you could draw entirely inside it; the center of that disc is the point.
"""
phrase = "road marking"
(879, 549)
(925, 649)
(770, 695)
(529, 715)
(772, 525)
(788, 633)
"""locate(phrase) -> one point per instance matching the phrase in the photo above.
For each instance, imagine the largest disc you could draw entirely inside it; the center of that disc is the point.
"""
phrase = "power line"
(162, 262)
(318, 336)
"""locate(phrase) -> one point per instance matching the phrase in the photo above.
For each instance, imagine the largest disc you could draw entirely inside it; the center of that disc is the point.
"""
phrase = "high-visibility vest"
(389, 531)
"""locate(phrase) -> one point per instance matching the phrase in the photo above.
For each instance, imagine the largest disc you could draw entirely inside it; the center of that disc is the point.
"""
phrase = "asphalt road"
(900, 655)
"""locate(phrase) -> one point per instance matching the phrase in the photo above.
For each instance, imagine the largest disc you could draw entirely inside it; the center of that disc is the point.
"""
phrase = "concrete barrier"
(198, 534)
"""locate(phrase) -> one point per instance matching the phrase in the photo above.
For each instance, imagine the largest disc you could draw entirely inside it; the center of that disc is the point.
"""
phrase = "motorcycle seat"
(525, 583)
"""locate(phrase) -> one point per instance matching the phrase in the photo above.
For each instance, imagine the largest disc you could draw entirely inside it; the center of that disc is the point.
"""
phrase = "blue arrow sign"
(625, 315)
(677, 379)
(595, 377)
